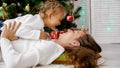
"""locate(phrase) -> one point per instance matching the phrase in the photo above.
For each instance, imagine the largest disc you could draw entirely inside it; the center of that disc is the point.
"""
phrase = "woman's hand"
(9, 31)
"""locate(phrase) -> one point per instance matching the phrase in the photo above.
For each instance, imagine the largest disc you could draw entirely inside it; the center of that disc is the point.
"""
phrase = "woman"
(23, 53)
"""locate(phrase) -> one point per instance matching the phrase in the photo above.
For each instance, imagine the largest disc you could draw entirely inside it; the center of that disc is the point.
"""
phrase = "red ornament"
(54, 34)
(70, 18)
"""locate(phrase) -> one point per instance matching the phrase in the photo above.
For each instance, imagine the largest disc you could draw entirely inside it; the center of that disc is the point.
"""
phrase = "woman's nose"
(69, 30)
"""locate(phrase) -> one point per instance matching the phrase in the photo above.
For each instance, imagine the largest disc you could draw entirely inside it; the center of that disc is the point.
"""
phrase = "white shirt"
(27, 53)
(30, 27)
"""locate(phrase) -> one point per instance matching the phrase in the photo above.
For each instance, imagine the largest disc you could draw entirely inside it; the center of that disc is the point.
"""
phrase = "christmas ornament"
(54, 34)
(4, 4)
(70, 18)
(27, 8)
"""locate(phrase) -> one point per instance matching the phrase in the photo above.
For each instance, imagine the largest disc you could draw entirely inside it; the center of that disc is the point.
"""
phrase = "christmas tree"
(13, 8)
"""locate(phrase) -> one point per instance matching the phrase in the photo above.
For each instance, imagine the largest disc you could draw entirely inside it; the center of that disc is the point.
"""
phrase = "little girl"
(50, 15)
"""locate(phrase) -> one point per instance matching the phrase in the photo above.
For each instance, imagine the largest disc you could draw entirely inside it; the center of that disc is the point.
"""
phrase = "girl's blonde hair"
(51, 6)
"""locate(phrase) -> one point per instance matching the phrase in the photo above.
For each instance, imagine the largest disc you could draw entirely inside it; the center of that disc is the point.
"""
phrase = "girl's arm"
(31, 27)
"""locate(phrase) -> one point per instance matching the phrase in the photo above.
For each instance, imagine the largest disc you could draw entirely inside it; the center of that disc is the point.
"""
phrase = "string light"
(109, 29)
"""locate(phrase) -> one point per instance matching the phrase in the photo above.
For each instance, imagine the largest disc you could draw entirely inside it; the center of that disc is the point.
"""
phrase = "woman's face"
(70, 36)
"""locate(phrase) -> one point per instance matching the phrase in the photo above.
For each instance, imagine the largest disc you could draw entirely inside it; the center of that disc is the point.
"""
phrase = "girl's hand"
(9, 31)
(43, 35)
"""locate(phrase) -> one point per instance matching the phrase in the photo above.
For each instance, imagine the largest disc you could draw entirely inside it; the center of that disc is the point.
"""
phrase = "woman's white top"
(28, 53)
(30, 27)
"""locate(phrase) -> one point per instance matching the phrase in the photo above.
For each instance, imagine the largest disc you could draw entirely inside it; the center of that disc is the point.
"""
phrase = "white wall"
(84, 20)
(102, 17)
(105, 20)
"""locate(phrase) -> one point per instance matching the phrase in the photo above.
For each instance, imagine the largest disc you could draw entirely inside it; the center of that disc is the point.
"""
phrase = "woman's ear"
(75, 43)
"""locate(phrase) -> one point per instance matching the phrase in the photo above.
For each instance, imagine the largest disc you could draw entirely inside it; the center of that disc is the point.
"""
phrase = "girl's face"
(55, 20)
(70, 36)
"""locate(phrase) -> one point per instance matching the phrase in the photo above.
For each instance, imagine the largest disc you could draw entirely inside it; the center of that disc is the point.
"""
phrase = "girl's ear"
(75, 43)
(49, 13)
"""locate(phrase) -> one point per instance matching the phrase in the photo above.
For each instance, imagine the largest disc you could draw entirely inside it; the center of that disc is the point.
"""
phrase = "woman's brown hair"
(88, 41)
(82, 57)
